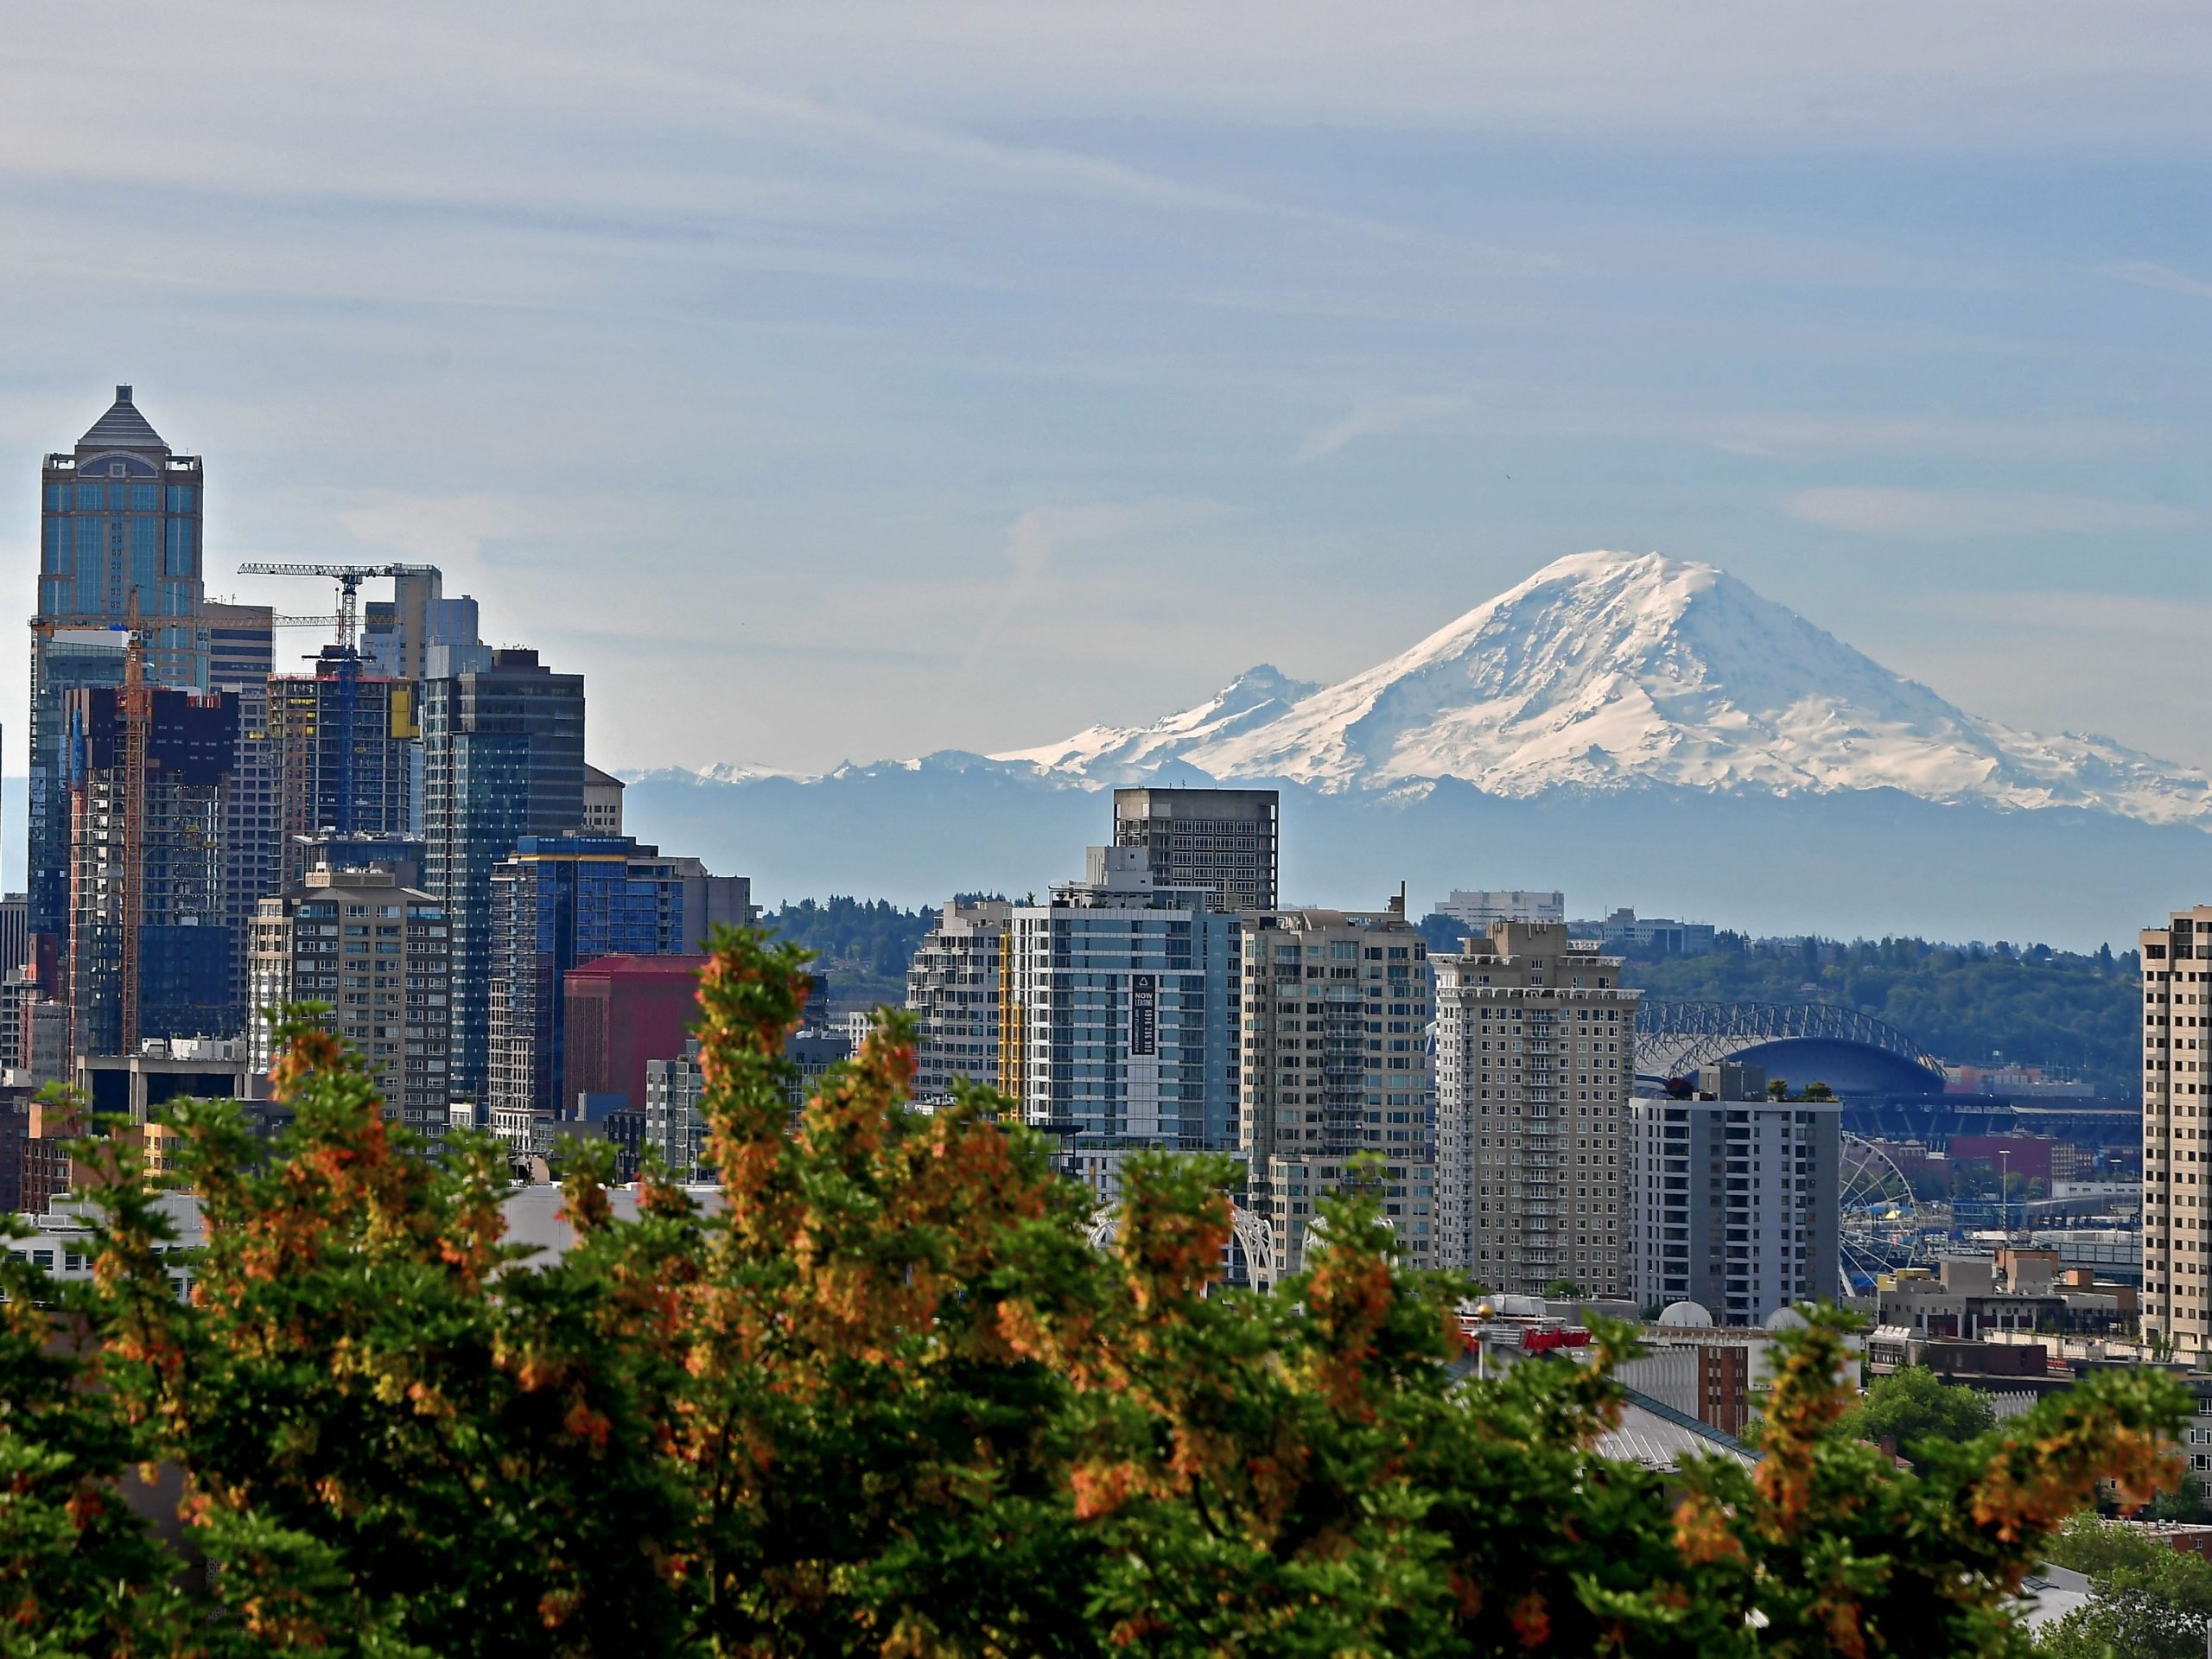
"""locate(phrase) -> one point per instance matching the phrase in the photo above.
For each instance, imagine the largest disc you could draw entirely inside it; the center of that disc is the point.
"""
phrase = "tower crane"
(349, 578)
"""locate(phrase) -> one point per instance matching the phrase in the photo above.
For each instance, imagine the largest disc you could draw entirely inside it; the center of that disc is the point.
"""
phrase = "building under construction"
(345, 756)
(149, 951)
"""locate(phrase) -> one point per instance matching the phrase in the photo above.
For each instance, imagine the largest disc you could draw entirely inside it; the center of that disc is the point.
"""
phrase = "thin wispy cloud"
(1044, 535)
(2123, 616)
(1949, 515)
(1374, 419)
(2146, 274)
(769, 325)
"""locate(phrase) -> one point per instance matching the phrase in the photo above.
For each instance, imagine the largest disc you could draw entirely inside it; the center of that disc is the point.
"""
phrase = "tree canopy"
(871, 939)
(885, 1399)
(1913, 1406)
(2149, 1601)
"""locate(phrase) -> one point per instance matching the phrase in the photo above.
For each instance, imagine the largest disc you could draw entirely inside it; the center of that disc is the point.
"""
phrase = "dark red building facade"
(622, 1013)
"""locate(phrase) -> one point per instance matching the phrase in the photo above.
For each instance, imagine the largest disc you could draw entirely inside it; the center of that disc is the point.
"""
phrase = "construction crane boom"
(349, 578)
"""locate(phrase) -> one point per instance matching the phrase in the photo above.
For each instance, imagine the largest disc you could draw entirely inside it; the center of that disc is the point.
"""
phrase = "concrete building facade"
(675, 1127)
(1118, 1017)
(1535, 1052)
(1335, 1006)
(2177, 1129)
(380, 955)
(1224, 841)
(602, 803)
(1731, 1197)
(953, 989)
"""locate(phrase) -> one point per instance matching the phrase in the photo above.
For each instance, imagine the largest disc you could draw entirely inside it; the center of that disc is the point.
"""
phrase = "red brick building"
(622, 1013)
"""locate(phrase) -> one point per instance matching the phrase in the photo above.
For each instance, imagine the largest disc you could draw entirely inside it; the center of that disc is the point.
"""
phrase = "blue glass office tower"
(559, 901)
(502, 759)
(120, 519)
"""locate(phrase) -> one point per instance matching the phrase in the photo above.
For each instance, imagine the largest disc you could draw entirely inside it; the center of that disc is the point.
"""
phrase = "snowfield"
(1614, 671)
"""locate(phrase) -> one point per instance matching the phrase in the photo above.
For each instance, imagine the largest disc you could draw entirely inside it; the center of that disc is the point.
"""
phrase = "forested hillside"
(867, 936)
(864, 945)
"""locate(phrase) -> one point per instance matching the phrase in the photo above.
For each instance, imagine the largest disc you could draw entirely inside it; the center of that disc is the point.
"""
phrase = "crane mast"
(349, 578)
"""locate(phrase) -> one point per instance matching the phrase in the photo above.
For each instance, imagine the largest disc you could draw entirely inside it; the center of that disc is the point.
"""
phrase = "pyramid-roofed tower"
(122, 428)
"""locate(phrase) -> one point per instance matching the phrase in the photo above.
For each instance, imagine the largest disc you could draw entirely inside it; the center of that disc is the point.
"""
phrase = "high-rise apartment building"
(2177, 1129)
(150, 954)
(557, 901)
(343, 742)
(1535, 1053)
(1221, 840)
(1335, 1009)
(1118, 1017)
(119, 535)
(379, 955)
(953, 989)
(241, 654)
(1731, 1197)
(502, 757)
(675, 1127)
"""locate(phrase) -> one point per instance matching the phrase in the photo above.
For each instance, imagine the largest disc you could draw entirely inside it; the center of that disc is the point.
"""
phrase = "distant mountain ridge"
(1635, 729)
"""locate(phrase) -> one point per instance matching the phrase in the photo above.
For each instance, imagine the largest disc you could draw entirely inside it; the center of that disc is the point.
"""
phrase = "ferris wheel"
(1879, 1225)
(1251, 1242)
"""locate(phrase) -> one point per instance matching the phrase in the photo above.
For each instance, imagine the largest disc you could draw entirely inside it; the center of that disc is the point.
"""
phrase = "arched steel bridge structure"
(1673, 1038)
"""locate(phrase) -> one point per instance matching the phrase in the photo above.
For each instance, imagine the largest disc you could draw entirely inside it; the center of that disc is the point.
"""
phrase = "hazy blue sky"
(846, 380)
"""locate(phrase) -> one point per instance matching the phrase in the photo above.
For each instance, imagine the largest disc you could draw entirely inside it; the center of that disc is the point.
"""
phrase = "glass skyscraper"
(120, 519)
(502, 757)
(561, 900)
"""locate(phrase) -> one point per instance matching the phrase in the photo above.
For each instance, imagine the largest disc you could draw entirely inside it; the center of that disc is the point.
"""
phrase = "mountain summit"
(1613, 670)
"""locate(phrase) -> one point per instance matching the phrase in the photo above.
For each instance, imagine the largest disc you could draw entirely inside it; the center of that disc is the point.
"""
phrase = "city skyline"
(798, 384)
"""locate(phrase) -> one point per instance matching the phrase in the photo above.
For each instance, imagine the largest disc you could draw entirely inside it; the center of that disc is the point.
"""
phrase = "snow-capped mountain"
(1611, 671)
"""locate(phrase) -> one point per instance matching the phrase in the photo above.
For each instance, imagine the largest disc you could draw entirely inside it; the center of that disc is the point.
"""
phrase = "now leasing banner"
(1144, 1014)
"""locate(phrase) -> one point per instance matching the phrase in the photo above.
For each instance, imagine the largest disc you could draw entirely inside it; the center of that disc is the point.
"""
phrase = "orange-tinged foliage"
(885, 1400)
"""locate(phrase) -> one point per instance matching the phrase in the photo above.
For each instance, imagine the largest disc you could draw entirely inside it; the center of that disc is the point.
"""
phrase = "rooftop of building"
(122, 428)
(578, 846)
(637, 966)
(1312, 918)
(594, 779)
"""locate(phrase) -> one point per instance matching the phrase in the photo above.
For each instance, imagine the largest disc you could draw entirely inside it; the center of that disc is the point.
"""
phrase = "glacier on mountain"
(1611, 671)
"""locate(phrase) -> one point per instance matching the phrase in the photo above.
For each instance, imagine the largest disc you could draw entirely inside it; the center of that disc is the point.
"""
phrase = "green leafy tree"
(883, 1398)
(2149, 1599)
(2181, 1503)
(1913, 1406)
